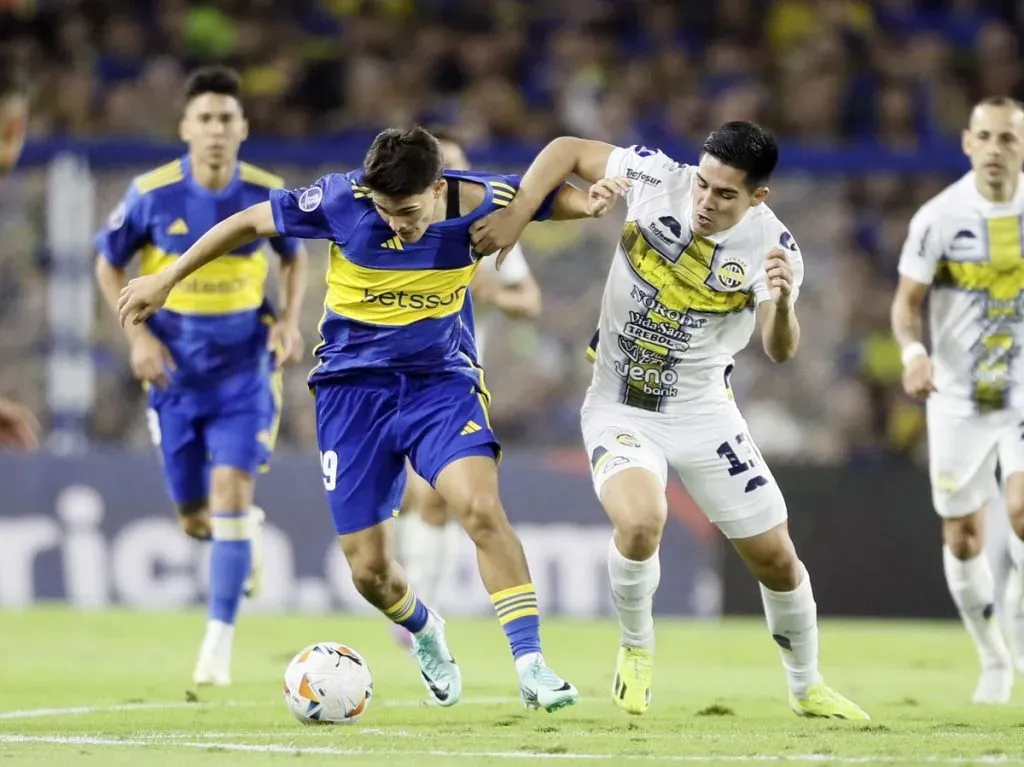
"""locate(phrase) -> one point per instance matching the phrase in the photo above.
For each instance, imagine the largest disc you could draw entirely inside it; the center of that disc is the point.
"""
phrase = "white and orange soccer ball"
(328, 683)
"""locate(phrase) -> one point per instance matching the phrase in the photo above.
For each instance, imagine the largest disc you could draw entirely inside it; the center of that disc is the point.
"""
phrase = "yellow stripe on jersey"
(253, 175)
(165, 175)
(502, 186)
(224, 286)
(682, 286)
(1001, 279)
(395, 297)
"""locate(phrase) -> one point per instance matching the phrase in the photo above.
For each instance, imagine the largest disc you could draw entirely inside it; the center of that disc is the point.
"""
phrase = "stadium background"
(867, 99)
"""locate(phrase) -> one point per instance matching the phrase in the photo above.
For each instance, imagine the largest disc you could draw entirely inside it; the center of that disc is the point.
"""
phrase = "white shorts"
(712, 452)
(963, 452)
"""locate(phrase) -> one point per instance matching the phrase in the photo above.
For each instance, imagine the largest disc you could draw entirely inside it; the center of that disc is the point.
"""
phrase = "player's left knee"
(482, 517)
(230, 489)
(782, 572)
(773, 560)
(370, 565)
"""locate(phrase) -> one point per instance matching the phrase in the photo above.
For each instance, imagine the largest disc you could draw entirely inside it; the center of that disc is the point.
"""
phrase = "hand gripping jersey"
(969, 250)
(678, 305)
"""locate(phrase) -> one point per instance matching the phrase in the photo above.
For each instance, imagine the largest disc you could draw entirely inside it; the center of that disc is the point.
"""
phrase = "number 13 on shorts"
(751, 466)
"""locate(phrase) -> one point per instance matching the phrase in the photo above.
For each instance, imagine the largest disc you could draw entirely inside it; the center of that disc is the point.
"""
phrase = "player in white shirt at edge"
(427, 532)
(964, 248)
(701, 259)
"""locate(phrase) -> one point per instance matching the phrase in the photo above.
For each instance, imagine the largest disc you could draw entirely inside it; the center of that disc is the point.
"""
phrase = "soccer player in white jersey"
(426, 529)
(701, 259)
(964, 248)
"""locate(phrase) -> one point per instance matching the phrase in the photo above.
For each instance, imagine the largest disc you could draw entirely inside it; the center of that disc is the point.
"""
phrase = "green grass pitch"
(113, 688)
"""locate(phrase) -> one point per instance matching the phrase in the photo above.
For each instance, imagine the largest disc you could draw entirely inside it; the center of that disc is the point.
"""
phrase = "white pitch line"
(36, 713)
(33, 713)
(282, 748)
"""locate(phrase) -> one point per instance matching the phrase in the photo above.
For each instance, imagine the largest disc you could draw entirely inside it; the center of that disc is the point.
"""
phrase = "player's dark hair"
(13, 79)
(402, 162)
(746, 147)
(217, 79)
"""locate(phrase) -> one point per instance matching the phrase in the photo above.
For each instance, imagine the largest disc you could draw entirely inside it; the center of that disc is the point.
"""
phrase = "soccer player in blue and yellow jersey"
(206, 358)
(397, 376)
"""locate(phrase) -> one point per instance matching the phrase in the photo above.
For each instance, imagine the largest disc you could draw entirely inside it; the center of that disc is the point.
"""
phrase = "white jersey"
(969, 250)
(514, 270)
(678, 305)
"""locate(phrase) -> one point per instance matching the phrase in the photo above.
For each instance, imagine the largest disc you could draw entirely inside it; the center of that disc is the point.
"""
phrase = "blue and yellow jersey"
(391, 305)
(215, 322)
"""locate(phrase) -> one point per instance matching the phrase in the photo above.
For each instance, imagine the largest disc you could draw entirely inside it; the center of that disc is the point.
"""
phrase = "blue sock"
(409, 612)
(519, 618)
(230, 563)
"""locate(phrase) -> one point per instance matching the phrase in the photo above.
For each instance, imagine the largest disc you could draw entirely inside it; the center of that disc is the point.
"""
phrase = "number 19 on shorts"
(329, 469)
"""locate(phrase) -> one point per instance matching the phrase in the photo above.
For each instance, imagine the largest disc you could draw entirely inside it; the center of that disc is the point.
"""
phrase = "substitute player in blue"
(397, 377)
(213, 385)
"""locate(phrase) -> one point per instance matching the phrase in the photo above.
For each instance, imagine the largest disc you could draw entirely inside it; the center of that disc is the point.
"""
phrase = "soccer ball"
(327, 683)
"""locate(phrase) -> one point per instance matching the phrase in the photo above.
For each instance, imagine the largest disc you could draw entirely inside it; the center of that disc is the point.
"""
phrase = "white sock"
(218, 640)
(793, 621)
(425, 557)
(973, 591)
(429, 627)
(633, 587)
(1014, 599)
(523, 662)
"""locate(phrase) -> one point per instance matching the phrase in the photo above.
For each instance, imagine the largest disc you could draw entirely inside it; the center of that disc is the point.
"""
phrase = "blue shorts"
(367, 427)
(233, 422)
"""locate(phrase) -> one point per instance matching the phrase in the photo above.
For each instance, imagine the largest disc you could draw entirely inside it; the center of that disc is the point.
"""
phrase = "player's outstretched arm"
(143, 296)
(571, 203)
(556, 162)
(907, 323)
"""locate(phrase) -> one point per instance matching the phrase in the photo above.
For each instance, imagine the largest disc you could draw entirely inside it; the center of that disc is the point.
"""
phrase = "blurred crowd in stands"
(820, 73)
